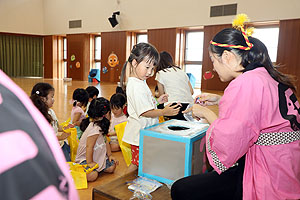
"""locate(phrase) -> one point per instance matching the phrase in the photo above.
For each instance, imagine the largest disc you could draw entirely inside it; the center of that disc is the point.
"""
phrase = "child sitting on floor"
(42, 96)
(80, 98)
(93, 94)
(92, 148)
(117, 105)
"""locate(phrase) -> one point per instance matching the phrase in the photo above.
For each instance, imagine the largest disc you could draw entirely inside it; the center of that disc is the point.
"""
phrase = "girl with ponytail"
(142, 107)
(93, 148)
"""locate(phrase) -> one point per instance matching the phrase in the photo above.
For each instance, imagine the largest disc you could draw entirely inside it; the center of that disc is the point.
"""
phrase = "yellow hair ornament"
(239, 21)
(249, 31)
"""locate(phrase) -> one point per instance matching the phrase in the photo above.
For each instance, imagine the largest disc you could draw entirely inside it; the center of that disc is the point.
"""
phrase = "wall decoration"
(208, 75)
(77, 65)
(72, 57)
(104, 70)
(113, 59)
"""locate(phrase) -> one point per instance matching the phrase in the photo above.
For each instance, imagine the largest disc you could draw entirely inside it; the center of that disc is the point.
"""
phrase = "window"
(98, 52)
(65, 56)
(269, 36)
(141, 37)
(194, 54)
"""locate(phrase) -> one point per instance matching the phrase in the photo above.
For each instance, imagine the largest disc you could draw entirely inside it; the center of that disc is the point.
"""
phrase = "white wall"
(147, 14)
(25, 15)
(22, 16)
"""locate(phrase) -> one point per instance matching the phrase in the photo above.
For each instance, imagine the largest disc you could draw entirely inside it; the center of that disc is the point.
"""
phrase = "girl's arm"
(63, 136)
(76, 119)
(109, 154)
(167, 111)
(108, 149)
(60, 128)
(161, 89)
(153, 113)
(90, 143)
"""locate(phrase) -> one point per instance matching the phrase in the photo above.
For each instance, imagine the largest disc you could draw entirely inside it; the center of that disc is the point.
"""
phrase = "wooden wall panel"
(60, 56)
(113, 42)
(55, 57)
(50, 57)
(164, 40)
(78, 45)
(288, 53)
(214, 83)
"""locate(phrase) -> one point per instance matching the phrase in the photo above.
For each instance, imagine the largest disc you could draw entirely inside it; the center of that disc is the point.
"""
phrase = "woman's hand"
(207, 99)
(171, 110)
(163, 99)
(199, 111)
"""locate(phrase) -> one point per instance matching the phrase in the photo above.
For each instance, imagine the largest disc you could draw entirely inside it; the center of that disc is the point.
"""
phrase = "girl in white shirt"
(173, 81)
(142, 108)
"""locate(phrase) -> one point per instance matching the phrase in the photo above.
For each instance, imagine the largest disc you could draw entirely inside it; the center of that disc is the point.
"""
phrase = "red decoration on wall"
(208, 75)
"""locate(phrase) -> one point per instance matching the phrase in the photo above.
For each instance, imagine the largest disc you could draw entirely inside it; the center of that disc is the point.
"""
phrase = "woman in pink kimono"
(254, 143)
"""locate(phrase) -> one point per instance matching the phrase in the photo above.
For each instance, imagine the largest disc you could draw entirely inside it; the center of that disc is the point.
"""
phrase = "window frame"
(65, 59)
(139, 34)
(97, 60)
(65, 49)
(185, 41)
(190, 62)
(265, 25)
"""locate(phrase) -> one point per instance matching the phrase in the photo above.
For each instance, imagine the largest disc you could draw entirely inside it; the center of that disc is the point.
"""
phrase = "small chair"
(94, 75)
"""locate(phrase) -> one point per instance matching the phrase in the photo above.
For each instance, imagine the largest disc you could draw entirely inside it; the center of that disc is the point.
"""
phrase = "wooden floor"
(62, 108)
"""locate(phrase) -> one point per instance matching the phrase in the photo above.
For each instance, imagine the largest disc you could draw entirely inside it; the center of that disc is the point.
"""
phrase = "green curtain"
(21, 55)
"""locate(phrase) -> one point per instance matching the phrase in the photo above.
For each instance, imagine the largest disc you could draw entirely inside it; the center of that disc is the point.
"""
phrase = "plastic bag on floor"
(78, 173)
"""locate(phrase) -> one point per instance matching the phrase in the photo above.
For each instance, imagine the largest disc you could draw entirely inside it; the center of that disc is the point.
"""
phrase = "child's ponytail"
(38, 92)
(144, 51)
(104, 125)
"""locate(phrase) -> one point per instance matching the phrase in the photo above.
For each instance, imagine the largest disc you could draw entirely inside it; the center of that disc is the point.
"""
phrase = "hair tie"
(37, 92)
(238, 23)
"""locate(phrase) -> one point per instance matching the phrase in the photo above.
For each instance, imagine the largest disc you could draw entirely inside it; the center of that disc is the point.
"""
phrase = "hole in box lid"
(177, 128)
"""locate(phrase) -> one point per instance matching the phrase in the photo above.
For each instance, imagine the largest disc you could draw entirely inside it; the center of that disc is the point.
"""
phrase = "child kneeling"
(92, 148)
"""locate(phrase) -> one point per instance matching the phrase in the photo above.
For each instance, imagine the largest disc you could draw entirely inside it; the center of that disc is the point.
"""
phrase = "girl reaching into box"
(142, 108)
